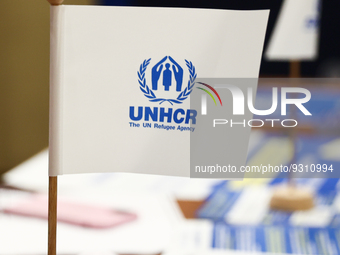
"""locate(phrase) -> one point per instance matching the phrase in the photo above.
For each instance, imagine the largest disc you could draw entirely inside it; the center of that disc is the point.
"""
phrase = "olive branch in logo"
(151, 95)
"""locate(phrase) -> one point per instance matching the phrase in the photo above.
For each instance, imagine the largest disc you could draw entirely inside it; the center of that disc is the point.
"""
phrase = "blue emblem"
(167, 71)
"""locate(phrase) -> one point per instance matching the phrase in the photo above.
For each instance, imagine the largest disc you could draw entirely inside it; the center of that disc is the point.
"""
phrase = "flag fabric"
(296, 32)
(121, 79)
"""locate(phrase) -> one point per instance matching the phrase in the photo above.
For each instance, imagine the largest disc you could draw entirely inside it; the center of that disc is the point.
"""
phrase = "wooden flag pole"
(52, 197)
(294, 72)
(290, 197)
(295, 69)
(52, 215)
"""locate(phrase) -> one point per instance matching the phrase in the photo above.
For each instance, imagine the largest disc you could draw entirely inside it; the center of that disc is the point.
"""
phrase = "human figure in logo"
(156, 72)
(177, 73)
(167, 77)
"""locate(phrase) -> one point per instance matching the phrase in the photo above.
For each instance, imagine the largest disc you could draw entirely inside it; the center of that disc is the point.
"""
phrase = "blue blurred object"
(276, 233)
(277, 239)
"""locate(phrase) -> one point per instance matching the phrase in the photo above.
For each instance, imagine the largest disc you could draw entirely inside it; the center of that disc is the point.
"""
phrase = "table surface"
(160, 226)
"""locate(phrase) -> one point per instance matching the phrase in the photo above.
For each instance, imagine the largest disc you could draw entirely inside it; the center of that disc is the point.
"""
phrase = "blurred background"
(232, 215)
(24, 60)
(24, 79)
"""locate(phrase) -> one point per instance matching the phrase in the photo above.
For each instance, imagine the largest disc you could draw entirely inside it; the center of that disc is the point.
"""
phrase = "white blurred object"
(253, 199)
(317, 217)
(296, 33)
(97, 253)
(191, 237)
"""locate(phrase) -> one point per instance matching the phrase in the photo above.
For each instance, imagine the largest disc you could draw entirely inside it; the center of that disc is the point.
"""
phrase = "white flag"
(121, 79)
(296, 32)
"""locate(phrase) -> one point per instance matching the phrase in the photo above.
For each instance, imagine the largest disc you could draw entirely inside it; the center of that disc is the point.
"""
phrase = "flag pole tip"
(55, 2)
